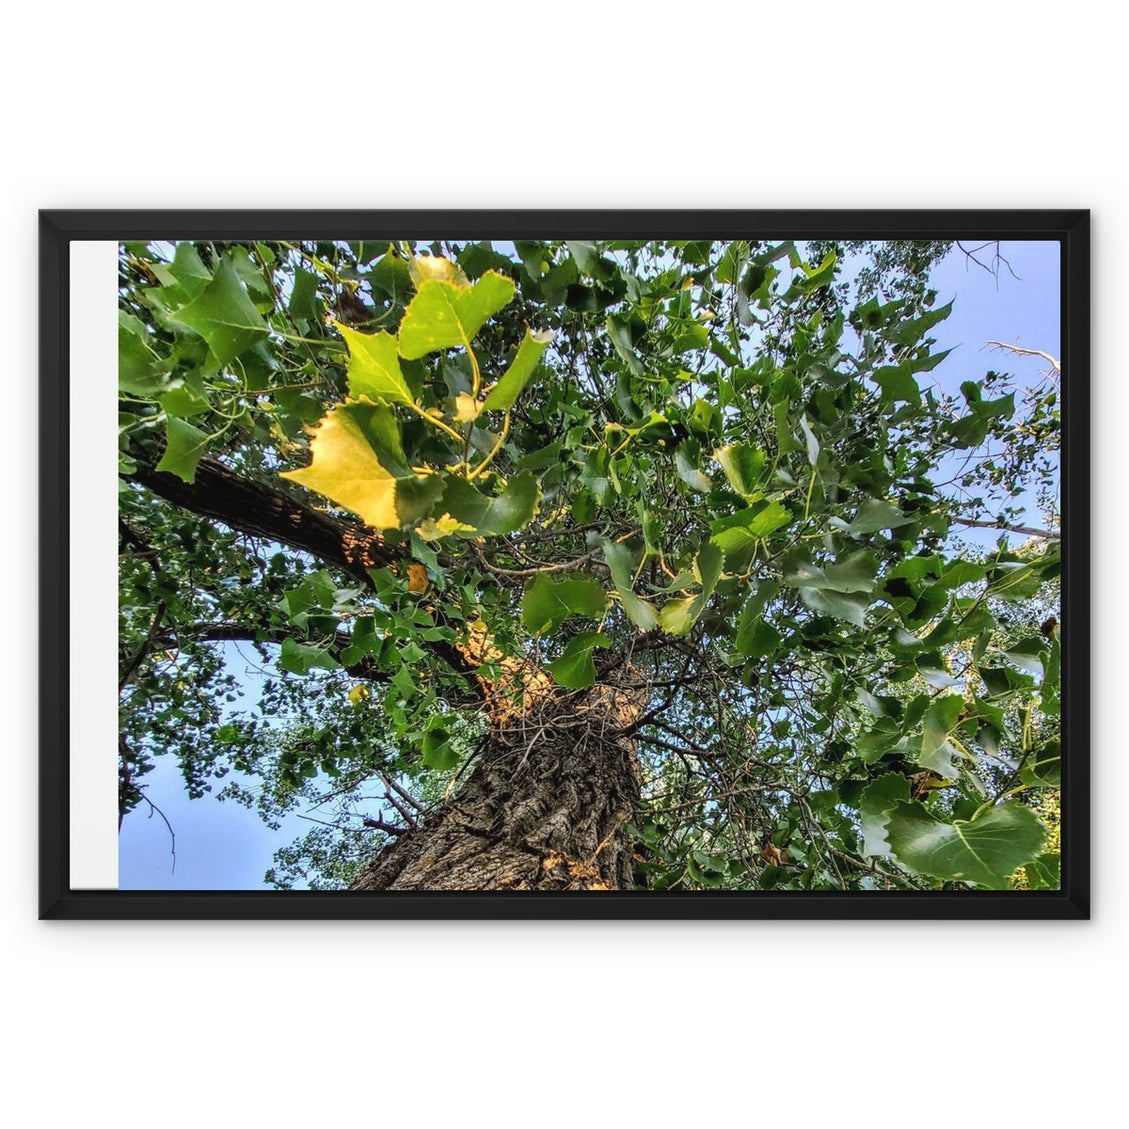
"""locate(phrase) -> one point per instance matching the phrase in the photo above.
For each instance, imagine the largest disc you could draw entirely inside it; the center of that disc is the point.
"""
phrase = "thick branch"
(261, 511)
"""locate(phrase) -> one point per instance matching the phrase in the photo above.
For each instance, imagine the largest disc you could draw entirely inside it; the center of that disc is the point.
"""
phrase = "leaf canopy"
(710, 469)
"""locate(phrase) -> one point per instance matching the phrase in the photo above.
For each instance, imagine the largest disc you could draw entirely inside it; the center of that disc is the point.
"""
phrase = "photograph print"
(666, 571)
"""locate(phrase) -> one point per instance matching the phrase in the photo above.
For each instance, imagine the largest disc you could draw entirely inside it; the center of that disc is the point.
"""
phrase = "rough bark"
(546, 805)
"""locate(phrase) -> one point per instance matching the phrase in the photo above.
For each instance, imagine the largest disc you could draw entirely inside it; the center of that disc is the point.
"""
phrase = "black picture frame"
(59, 229)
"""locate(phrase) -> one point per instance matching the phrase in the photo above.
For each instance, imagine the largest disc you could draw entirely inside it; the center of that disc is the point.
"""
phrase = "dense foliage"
(729, 465)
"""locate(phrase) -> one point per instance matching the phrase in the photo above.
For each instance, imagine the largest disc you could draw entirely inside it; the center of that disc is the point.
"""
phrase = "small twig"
(323, 822)
(519, 573)
(172, 834)
(1025, 530)
(997, 258)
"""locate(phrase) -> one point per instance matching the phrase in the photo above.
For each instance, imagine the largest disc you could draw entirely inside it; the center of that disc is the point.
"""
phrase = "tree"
(610, 564)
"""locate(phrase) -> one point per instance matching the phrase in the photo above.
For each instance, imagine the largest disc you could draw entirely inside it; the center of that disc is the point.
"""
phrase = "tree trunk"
(546, 806)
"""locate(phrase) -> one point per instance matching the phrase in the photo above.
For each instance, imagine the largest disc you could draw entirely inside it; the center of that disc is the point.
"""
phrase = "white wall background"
(658, 105)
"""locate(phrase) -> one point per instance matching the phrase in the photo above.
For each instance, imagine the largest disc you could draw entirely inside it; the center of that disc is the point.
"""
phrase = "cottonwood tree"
(582, 565)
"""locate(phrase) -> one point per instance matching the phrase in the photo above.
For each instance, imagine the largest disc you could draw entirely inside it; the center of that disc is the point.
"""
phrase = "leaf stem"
(807, 501)
(473, 474)
(435, 421)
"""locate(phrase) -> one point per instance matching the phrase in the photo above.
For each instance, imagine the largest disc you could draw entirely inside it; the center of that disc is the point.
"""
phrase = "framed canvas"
(564, 564)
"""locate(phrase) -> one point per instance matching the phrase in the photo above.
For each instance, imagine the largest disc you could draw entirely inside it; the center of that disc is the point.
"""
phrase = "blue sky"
(222, 846)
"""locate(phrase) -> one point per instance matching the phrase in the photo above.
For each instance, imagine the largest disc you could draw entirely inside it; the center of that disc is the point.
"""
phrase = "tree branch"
(1052, 361)
(1024, 530)
(253, 507)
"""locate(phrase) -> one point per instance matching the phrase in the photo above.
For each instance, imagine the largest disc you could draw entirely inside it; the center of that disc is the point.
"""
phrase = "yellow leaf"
(358, 694)
(435, 529)
(345, 468)
(466, 408)
(417, 578)
(435, 268)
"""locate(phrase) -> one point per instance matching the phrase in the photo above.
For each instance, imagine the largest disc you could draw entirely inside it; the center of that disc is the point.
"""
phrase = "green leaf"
(756, 638)
(1043, 872)
(912, 331)
(743, 466)
(897, 383)
(811, 441)
(358, 462)
(548, 603)
(224, 315)
(876, 803)
(875, 514)
(252, 277)
(686, 463)
(140, 370)
(881, 739)
(932, 668)
(184, 447)
(181, 402)
(298, 658)
(848, 607)
(677, 617)
(1020, 580)
(575, 670)
(189, 270)
(619, 333)
(404, 683)
(298, 603)
(435, 748)
(181, 280)
(444, 314)
(374, 367)
(687, 335)
(642, 613)
(985, 851)
(305, 304)
(959, 573)
(514, 379)
(586, 256)
(508, 512)
(854, 573)
(1044, 769)
(937, 751)
(477, 258)
(1028, 655)
(743, 529)
(705, 418)
(390, 275)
